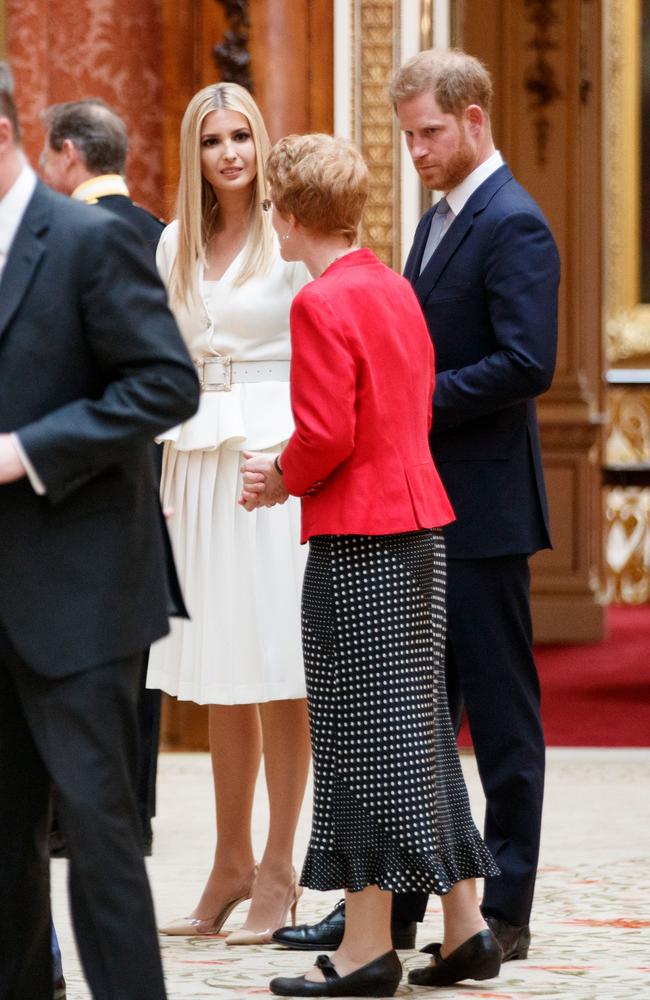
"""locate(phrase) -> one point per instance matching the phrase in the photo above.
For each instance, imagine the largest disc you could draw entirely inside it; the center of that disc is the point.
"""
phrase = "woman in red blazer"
(390, 806)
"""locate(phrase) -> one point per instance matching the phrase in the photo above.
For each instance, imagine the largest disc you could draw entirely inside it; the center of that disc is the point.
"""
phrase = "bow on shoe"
(324, 963)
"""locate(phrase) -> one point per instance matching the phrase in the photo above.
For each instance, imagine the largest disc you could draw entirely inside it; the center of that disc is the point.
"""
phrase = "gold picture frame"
(627, 316)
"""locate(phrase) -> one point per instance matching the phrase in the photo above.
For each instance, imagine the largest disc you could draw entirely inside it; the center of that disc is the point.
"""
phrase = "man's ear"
(6, 134)
(475, 117)
(70, 152)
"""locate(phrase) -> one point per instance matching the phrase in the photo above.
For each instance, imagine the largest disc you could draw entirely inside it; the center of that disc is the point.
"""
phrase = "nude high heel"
(245, 936)
(198, 927)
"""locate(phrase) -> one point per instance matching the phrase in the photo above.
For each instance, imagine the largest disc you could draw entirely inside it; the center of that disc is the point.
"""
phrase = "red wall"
(62, 51)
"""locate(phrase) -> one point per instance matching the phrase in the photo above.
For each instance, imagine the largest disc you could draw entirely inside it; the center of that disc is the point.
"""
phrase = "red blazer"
(362, 378)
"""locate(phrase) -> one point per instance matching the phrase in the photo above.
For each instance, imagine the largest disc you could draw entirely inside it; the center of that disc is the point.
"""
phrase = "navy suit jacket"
(489, 296)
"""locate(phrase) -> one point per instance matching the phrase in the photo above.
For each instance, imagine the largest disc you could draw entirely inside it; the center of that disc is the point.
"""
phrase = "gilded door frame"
(372, 38)
(627, 317)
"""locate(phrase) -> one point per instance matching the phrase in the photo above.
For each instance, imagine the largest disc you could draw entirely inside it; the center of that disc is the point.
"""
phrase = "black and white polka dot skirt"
(390, 803)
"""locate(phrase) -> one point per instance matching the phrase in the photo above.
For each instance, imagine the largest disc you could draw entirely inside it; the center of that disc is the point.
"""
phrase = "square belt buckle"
(207, 366)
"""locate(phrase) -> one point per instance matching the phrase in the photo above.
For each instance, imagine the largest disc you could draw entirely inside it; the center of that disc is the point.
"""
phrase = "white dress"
(241, 572)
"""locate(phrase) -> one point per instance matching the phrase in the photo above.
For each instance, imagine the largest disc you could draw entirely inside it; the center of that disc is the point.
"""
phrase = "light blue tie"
(436, 231)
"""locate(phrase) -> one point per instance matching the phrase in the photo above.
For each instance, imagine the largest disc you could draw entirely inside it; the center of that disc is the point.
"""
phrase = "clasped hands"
(263, 486)
(11, 467)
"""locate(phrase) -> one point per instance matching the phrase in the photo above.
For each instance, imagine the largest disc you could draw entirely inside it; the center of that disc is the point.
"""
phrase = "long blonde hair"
(197, 205)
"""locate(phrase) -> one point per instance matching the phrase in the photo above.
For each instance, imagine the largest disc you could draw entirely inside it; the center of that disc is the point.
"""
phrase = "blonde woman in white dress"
(241, 651)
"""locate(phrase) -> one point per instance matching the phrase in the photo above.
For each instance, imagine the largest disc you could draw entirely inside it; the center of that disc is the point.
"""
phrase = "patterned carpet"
(591, 926)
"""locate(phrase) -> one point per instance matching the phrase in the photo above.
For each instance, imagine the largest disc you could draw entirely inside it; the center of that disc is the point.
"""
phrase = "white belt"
(219, 374)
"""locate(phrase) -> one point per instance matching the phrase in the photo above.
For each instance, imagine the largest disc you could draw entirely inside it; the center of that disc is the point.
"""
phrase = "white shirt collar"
(13, 206)
(458, 197)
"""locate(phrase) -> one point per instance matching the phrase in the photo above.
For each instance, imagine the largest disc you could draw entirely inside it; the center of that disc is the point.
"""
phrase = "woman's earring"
(285, 237)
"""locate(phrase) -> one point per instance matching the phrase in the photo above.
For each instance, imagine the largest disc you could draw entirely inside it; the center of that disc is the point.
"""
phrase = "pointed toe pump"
(248, 936)
(200, 927)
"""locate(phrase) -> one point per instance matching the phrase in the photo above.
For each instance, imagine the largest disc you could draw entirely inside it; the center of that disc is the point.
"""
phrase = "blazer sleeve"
(323, 378)
(521, 277)
(146, 382)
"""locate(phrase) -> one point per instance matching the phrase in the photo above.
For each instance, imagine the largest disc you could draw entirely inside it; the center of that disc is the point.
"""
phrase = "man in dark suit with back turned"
(485, 268)
(92, 368)
(84, 157)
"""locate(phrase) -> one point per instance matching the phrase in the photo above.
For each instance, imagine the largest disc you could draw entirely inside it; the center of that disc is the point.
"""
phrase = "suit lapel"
(26, 251)
(412, 266)
(445, 249)
(460, 227)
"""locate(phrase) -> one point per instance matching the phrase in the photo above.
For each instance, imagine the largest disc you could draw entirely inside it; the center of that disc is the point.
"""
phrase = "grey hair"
(95, 130)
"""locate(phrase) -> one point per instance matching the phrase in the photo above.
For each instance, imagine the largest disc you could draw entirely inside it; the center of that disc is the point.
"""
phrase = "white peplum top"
(246, 323)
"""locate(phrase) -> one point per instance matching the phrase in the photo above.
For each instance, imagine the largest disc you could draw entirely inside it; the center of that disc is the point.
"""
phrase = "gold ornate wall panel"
(627, 316)
(627, 522)
(628, 435)
(375, 48)
(626, 496)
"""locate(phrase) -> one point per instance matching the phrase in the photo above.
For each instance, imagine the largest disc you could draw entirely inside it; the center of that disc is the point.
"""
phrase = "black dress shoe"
(379, 978)
(328, 933)
(514, 941)
(478, 958)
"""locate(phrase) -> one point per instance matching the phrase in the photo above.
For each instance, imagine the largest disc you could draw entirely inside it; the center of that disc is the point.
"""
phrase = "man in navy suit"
(485, 268)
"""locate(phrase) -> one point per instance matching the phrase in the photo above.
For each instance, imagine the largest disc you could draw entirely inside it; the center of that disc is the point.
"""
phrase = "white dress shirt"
(458, 197)
(454, 202)
(12, 208)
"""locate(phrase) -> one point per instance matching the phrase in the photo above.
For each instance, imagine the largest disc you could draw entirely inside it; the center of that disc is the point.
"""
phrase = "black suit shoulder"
(145, 223)
(71, 226)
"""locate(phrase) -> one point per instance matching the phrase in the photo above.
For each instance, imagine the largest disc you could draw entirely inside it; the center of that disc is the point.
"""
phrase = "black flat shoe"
(514, 940)
(478, 958)
(327, 934)
(379, 978)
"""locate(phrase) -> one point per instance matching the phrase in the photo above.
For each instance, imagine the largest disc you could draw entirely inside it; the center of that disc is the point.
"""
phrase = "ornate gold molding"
(627, 513)
(628, 439)
(628, 334)
(375, 45)
(627, 319)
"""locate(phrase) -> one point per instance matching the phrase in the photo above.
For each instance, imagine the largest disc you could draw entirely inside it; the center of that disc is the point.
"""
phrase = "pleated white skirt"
(241, 575)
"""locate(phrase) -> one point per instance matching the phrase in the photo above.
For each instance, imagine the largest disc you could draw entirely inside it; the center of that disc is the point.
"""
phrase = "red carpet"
(598, 695)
